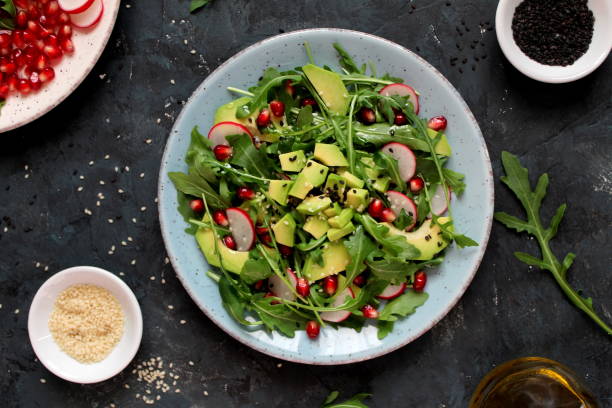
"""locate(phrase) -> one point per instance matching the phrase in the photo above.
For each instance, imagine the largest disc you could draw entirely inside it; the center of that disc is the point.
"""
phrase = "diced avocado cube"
(313, 175)
(368, 161)
(339, 221)
(316, 226)
(284, 230)
(335, 234)
(293, 161)
(335, 259)
(330, 88)
(351, 179)
(442, 147)
(333, 210)
(314, 205)
(378, 181)
(357, 199)
(334, 186)
(279, 190)
(329, 155)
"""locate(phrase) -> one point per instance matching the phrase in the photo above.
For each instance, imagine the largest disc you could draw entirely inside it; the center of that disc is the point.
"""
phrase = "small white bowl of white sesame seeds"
(85, 324)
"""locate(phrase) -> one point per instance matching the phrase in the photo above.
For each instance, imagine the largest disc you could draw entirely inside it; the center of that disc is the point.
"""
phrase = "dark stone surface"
(509, 311)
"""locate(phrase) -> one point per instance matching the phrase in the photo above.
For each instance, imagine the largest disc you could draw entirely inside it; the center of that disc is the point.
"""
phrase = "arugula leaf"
(346, 61)
(197, 4)
(403, 220)
(517, 179)
(247, 156)
(304, 117)
(394, 244)
(396, 270)
(255, 269)
(312, 244)
(268, 75)
(277, 316)
(7, 15)
(454, 180)
(401, 306)
(390, 165)
(358, 246)
(354, 402)
(380, 134)
(185, 210)
(232, 301)
(260, 99)
(194, 185)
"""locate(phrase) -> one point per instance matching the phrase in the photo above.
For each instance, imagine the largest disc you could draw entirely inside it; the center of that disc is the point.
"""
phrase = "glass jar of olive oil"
(532, 382)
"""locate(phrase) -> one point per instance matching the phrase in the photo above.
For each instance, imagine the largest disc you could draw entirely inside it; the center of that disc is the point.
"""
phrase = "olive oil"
(532, 382)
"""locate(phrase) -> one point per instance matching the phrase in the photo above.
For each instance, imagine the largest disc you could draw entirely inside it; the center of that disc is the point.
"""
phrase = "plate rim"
(410, 338)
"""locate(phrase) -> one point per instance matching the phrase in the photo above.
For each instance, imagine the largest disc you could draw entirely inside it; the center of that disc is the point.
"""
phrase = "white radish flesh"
(280, 289)
(90, 16)
(340, 315)
(438, 201)
(402, 90)
(406, 160)
(392, 291)
(74, 6)
(218, 132)
(241, 227)
(399, 202)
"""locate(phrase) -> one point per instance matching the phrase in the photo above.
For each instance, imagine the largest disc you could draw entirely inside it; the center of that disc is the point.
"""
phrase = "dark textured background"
(509, 311)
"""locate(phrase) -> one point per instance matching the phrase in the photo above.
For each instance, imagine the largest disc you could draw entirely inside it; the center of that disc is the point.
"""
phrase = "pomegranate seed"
(46, 22)
(400, 119)
(375, 208)
(367, 116)
(5, 40)
(220, 218)
(369, 312)
(437, 123)
(330, 284)
(416, 184)
(387, 215)
(22, 4)
(43, 2)
(261, 230)
(12, 83)
(308, 101)
(229, 242)
(41, 62)
(197, 205)
(266, 239)
(33, 12)
(259, 284)
(24, 87)
(5, 51)
(52, 8)
(46, 75)
(35, 81)
(52, 51)
(7, 66)
(302, 287)
(18, 41)
(34, 27)
(29, 38)
(245, 193)
(51, 40)
(263, 119)
(285, 250)
(359, 280)
(289, 88)
(21, 19)
(420, 280)
(222, 152)
(274, 302)
(27, 71)
(63, 18)
(4, 91)
(277, 108)
(312, 329)
(67, 45)
(65, 31)
(17, 57)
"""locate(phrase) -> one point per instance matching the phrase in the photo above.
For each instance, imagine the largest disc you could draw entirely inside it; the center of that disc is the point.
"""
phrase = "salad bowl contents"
(322, 202)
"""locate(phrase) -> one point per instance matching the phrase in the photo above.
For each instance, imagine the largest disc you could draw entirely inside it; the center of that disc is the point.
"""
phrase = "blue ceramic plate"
(472, 212)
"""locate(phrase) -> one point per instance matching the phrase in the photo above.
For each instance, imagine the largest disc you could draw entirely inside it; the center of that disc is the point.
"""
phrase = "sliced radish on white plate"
(280, 289)
(242, 228)
(406, 160)
(217, 133)
(90, 16)
(74, 6)
(392, 291)
(402, 90)
(438, 200)
(340, 315)
(399, 202)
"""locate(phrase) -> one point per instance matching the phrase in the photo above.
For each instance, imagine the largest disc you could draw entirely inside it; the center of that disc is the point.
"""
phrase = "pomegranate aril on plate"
(12, 83)
(220, 218)
(312, 329)
(284, 250)
(375, 208)
(24, 87)
(7, 66)
(5, 40)
(21, 19)
(65, 31)
(387, 215)
(369, 312)
(277, 108)
(229, 242)
(63, 18)
(245, 193)
(263, 119)
(52, 8)
(67, 45)
(222, 152)
(416, 184)
(52, 51)
(4, 91)
(437, 123)
(35, 81)
(302, 287)
(41, 62)
(330, 284)
(196, 205)
(420, 280)
(46, 75)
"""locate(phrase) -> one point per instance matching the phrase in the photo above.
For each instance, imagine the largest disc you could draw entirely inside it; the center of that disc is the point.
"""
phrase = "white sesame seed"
(127, 168)
(142, 175)
(134, 220)
(110, 220)
(120, 191)
(148, 141)
(143, 208)
(206, 393)
(130, 239)
(38, 264)
(193, 52)
(158, 120)
(102, 182)
(26, 176)
(183, 321)
(152, 278)
(80, 188)
(16, 311)
(46, 269)
(82, 177)
(106, 157)
(42, 380)
(133, 262)
(87, 211)
(91, 163)
(172, 81)
(123, 243)
(170, 307)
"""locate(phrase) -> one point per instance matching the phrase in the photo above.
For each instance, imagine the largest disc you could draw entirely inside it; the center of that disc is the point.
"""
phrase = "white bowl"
(596, 54)
(49, 353)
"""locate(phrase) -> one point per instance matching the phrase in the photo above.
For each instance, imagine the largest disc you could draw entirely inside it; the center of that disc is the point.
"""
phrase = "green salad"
(321, 198)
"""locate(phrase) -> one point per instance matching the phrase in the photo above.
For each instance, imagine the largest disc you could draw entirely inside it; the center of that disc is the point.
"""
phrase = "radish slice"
(280, 289)
(406, 161)
(438, 201)
(242, 228)
(74, 6)
(217, 133)
(401, 202)
(90, 16)
(402, 90)
(392, 291)
(340, 315)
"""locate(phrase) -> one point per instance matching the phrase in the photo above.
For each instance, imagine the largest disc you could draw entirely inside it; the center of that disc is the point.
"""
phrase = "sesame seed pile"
(86, 322)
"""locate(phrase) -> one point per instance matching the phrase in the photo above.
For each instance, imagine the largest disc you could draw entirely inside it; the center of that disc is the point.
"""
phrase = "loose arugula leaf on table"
(397, 270)
(517, 179)
(7, 15)
(396, 245)
(195, 185)
(354, 402)
(402, 306)
(195, 5)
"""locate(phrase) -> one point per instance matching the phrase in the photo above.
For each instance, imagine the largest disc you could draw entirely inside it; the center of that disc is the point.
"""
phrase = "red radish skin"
(340, 315)
(416, 185)
(302, 287)
(438, 200)
(387, 215)
(399, 202)
(437, 123)
(406, 160)
(312, 329)
(90, 16)
(241, 227)
(420, 280)
(402, 90)
(330, 284)
(392, 291)
(277, 108)
(74, 6)
(217, 133)
(369, 312)
(278, 287)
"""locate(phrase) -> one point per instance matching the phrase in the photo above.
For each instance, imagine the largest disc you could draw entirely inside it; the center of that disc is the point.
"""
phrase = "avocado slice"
(313, 175)
(329, 155)
(284, 230)
(442, 147)
(314, 205)
(330, 88)
(357, 199)
(292, 161)
(351, 179)
(428, 238)
(333, 210)
(345, 216)
(334, 187)
(227, 113)
(233, 261)
(279, 190)
(368, 161)
(316, 226)
(379, 182)
(335, 234)
(335, 259)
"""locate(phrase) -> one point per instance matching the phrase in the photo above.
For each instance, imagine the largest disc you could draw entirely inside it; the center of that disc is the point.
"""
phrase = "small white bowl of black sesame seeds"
(555, 41)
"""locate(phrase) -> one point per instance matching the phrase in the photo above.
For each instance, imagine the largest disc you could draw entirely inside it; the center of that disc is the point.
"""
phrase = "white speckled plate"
(69, 73)
(472, 212)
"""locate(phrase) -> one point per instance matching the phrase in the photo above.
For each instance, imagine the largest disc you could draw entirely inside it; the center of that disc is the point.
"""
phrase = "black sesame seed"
(439, 244)
(322, 171)
(308, 164)
(293, 158)
(341, 182)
